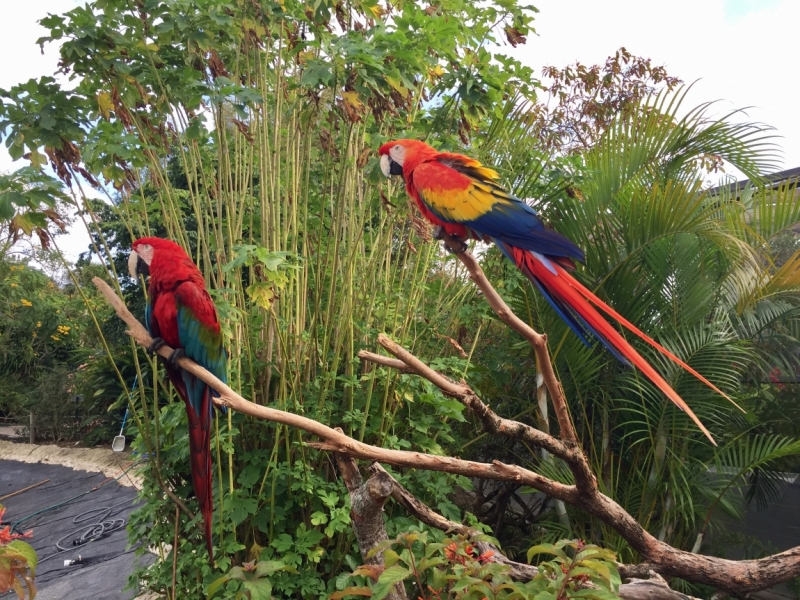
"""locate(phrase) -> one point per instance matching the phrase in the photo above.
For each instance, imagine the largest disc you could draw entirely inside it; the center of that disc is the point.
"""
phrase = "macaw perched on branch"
(181, 314)
(462, 197)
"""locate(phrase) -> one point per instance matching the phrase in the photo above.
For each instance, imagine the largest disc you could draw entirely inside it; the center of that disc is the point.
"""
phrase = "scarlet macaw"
(462, 196)
(181, 314)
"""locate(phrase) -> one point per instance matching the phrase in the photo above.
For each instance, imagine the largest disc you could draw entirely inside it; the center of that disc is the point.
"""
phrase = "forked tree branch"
(734, 576)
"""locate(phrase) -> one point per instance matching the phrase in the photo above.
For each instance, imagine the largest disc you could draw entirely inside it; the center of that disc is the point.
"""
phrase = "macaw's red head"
(145, 250)
(401, 156)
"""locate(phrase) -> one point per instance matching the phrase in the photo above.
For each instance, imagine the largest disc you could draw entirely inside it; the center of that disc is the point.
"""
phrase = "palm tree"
(694, 270)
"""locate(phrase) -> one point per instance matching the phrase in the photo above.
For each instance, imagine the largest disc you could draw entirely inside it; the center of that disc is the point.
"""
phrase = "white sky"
(743, 52)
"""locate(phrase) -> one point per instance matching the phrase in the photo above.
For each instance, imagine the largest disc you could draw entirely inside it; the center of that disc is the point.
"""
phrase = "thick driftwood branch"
(729, 575)
(584, 478)
(366, 502)
(654, 588)
(333, 440)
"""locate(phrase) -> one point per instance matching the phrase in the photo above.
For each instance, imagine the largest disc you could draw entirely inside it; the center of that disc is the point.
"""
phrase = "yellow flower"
(13, 268)
(34, 334)
(13, 285)
(63, 329)
(25, 302)
(55, 337)
(38, 323)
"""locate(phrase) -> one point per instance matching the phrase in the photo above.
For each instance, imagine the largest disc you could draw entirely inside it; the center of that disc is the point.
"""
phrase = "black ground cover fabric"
(107, 561)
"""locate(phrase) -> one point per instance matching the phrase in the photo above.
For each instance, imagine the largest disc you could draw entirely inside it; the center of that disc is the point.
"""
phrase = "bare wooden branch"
(385, 361)
(537, 340)
(735, 576)
(333, 440)
(492, 423)
(654, 588)
(366, 502)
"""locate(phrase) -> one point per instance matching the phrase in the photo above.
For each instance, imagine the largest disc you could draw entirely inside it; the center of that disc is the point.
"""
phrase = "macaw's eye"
(397, 147)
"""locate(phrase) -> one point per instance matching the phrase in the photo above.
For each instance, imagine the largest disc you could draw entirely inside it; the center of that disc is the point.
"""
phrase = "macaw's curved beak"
(390, 167)
(137, 266)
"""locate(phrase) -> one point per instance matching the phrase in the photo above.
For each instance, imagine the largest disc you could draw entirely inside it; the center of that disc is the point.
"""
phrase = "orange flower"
(451, 551)
(6, 537)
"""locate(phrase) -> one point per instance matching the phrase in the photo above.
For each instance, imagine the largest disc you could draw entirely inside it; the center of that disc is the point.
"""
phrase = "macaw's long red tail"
(573, 302)
(200, 456)
(200, 451)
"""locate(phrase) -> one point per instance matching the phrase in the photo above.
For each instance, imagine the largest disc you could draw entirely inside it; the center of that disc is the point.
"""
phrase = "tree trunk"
(366, 501)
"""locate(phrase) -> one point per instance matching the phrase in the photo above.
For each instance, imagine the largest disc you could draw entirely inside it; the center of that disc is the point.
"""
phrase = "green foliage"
(29, 201)
(253, 578)
(49, 353)
(453, 568)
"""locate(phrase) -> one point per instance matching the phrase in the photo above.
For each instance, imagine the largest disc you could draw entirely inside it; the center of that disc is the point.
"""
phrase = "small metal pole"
(31, 431)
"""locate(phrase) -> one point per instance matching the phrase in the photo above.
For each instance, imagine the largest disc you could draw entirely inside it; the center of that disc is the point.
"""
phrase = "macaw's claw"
(157, 343)
(439, 234)
(176, 355)
(459, 249)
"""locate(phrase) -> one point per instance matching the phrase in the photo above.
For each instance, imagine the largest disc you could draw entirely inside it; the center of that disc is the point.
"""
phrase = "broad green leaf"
(387, 580)
(27, 552)
(390, 557)
(217, 584)
(260, 589)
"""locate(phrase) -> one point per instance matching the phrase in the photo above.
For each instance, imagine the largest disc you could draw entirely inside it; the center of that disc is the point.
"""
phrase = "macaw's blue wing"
(200, 337)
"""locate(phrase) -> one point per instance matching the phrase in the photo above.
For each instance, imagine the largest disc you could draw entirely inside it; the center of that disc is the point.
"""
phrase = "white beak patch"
(133, 261)
(386, 165)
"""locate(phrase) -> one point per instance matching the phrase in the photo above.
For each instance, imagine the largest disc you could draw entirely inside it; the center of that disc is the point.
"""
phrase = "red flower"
(775, 377)
(6, 537)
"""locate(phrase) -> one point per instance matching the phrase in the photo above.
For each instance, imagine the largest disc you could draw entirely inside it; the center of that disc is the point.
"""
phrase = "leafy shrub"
(454, 569)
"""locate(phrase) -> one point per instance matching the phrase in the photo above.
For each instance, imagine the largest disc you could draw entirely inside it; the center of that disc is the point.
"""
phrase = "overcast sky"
(743, 52)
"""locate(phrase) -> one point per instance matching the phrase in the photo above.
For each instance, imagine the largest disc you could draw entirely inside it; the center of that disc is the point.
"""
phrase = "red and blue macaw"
(462, 196)
(181, 314)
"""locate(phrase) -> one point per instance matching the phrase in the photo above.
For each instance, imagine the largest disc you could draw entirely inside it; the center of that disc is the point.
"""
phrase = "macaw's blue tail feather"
(564, 292)
(574, 320)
